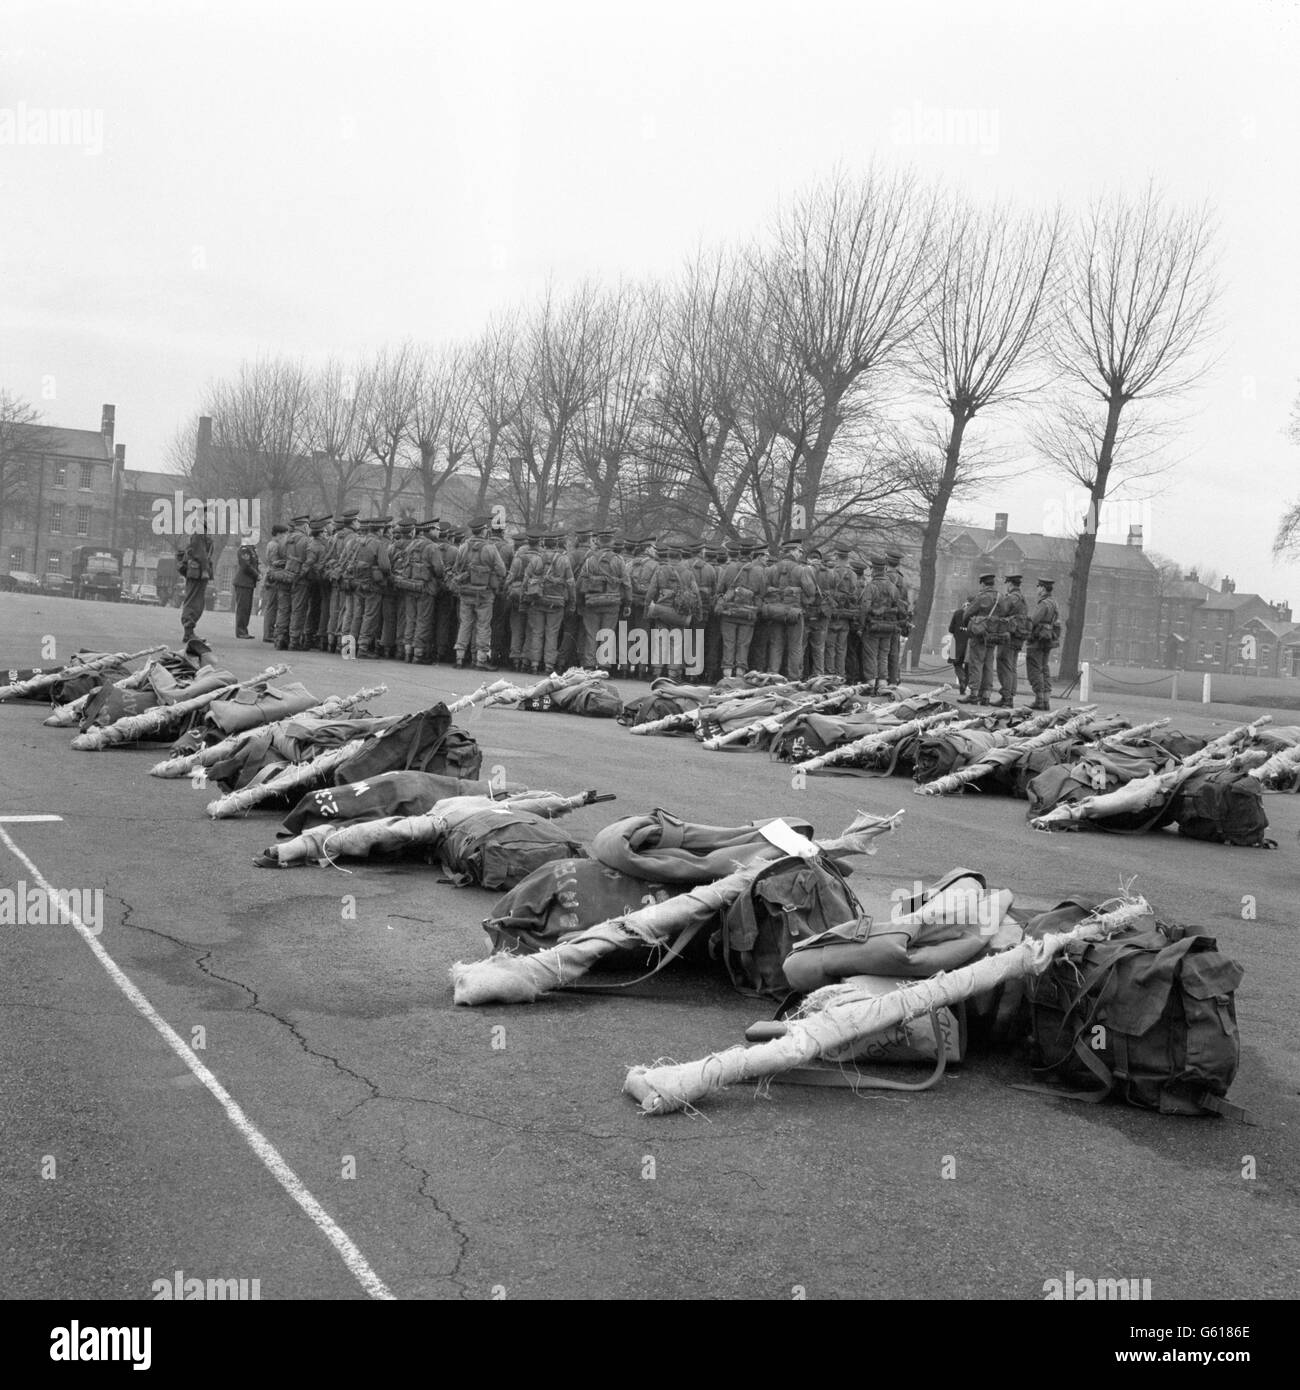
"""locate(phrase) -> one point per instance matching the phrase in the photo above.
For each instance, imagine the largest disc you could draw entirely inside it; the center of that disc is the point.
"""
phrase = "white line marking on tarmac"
(25, 820)
(256, 1140)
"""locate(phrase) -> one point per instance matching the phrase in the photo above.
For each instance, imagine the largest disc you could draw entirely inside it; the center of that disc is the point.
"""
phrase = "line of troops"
(428, 592)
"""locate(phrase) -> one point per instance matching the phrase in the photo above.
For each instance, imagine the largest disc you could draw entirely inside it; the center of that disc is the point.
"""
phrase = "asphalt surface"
(489, 1153)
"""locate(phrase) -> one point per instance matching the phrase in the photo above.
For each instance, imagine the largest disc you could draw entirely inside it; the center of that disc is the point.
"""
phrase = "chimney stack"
(1135, 536)
(999, 524)
(106, 424)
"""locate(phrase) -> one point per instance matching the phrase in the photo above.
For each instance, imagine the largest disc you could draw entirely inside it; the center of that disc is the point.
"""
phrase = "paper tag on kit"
(788, 840)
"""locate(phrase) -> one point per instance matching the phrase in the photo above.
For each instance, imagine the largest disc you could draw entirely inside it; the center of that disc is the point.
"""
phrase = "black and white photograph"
(687, 624)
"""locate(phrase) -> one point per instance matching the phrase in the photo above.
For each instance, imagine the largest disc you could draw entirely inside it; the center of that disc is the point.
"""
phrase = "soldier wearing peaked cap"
(817, 616)
(549, 592)
(742, 587)
(879, 610)
(316, 629)
(292, 611)
(275, 591)
(842, 598)
(1044, 634)
(604, 591)
(247, 573)
(344, 583)
(572, 623)
(500, 600)
(332, 597)
(981, 649)
(791, 592)
(1008, 627)
(519, 603)
(672, 606)
(371, 566)
(894, 573)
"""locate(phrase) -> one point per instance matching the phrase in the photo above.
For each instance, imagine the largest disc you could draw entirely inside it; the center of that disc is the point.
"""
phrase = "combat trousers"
(570, 639)
(981, 661)
(712, 646)
(875, 658)
(518, 632)
(426, 609)
(474, 635)
(736, 638)
(895, 658)
(334, 621)
(1008, 673)
(292, 617)
(410, 619)
(316, 594)
(785, 648)
(271, 596)
(542, 638)
(196, 593)
(500, 628)
(594, 620)
(1038, 670)
(815, 646)
(837, 641)
(370, 629)
(325, 601)
(759, 642)
(243, 609)
(445, 619)
(390, 608)
(853, 657)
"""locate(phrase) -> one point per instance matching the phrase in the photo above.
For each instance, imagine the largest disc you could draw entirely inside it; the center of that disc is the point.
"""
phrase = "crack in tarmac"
(457, 1230)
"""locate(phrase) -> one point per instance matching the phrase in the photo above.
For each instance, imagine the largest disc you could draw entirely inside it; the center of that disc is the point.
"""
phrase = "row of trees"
(829, 376)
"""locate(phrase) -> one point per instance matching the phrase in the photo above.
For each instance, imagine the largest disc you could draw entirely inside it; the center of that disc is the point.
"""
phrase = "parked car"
(24, 582)
(142, 593)
(59, 584)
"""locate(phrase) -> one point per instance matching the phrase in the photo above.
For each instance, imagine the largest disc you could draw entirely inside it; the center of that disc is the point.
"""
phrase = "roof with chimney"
(1035, 548)
(147, 480)
(56, 442)
(1274, 626)
(1187, 589)
(1231, 602)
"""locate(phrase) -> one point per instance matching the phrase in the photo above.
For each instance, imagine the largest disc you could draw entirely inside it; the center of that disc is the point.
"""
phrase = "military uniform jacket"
(197, 557)
(515, 575)
(979, 607)
(1010, 620)
(706, 581)
(604, 570)
(479, 554)
(791, 582)
(275, 553)
(1045, 623)
(844, 593)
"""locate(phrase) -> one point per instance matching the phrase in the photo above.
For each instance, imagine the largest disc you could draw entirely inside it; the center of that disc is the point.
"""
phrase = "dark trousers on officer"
(243, 608)
(196, 592)
(1038, 669)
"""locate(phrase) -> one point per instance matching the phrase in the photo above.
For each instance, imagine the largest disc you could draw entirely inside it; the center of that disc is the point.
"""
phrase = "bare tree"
(494, 396)
(982, 325)
(440, 419)
(1287, 541)
(1137, 315)
(848, 275)
(333, 431)
(557, 382)
(18, 440)
(388, 388)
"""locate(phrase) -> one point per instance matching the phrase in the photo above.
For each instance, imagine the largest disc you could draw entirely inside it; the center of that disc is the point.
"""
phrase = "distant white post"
(1085, 682)
(1205, 689)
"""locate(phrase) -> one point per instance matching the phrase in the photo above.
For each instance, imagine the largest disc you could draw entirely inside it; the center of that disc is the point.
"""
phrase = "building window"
(56, 518)
(17, 555)
(1218, 652)
(54, 562)
(60, 474)
(1266, 656)
(87, 476)
(83, 521)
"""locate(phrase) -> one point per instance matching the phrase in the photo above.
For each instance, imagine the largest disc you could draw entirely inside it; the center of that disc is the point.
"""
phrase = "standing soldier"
(501, 600)
(548, 593)
(195, 564)
(791, 589)
(329, 540)
(296, 598)
(841, 587)
(371, 567)
(960, 639)
(981, 653)
(427, 568)
(740, 599)
(706, 581)
(640, 572)
(247, 573)
(571, 629)
(879, 610)
(397, 534)
(1044, 634)
(341, 545)
(672, 601)
(761, 642)
(405, 559)
(274, 591)
(853, 655)
(446, 616)
(817, 618)
(479, 574)
(1011, 618)
(894, 573)
(345, 584)
(530, 544)
(603, 593)
(313, 554)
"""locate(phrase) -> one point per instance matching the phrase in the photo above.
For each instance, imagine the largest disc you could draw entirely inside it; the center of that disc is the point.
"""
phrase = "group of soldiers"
(425, 591)
(990, 630)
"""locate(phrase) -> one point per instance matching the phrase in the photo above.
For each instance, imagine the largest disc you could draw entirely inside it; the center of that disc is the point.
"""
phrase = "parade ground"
(347, 1132)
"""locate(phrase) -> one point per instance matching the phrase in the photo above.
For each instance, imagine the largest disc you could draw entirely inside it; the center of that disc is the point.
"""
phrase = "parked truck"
(97, 573)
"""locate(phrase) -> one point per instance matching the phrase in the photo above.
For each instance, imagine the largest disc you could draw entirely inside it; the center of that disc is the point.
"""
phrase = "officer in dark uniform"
(1044, 634)
(960, 639)
(195, 564)
(247, 573)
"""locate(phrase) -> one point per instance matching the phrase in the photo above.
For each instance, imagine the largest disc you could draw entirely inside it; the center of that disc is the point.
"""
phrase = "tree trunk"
(1086, 545)
(933, 532)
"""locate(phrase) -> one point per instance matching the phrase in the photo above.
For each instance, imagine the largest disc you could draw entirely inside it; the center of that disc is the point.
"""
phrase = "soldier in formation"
(274, 590)
(1010, 628)
(478, 574)
(247, 573)
(548, 594)
(981, 645)
(1044, 634)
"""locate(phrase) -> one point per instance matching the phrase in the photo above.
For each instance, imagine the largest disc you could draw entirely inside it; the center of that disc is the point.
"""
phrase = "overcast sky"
(322, 178)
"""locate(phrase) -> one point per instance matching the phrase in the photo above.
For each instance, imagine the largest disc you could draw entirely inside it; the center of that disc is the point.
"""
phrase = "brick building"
(67, 498)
